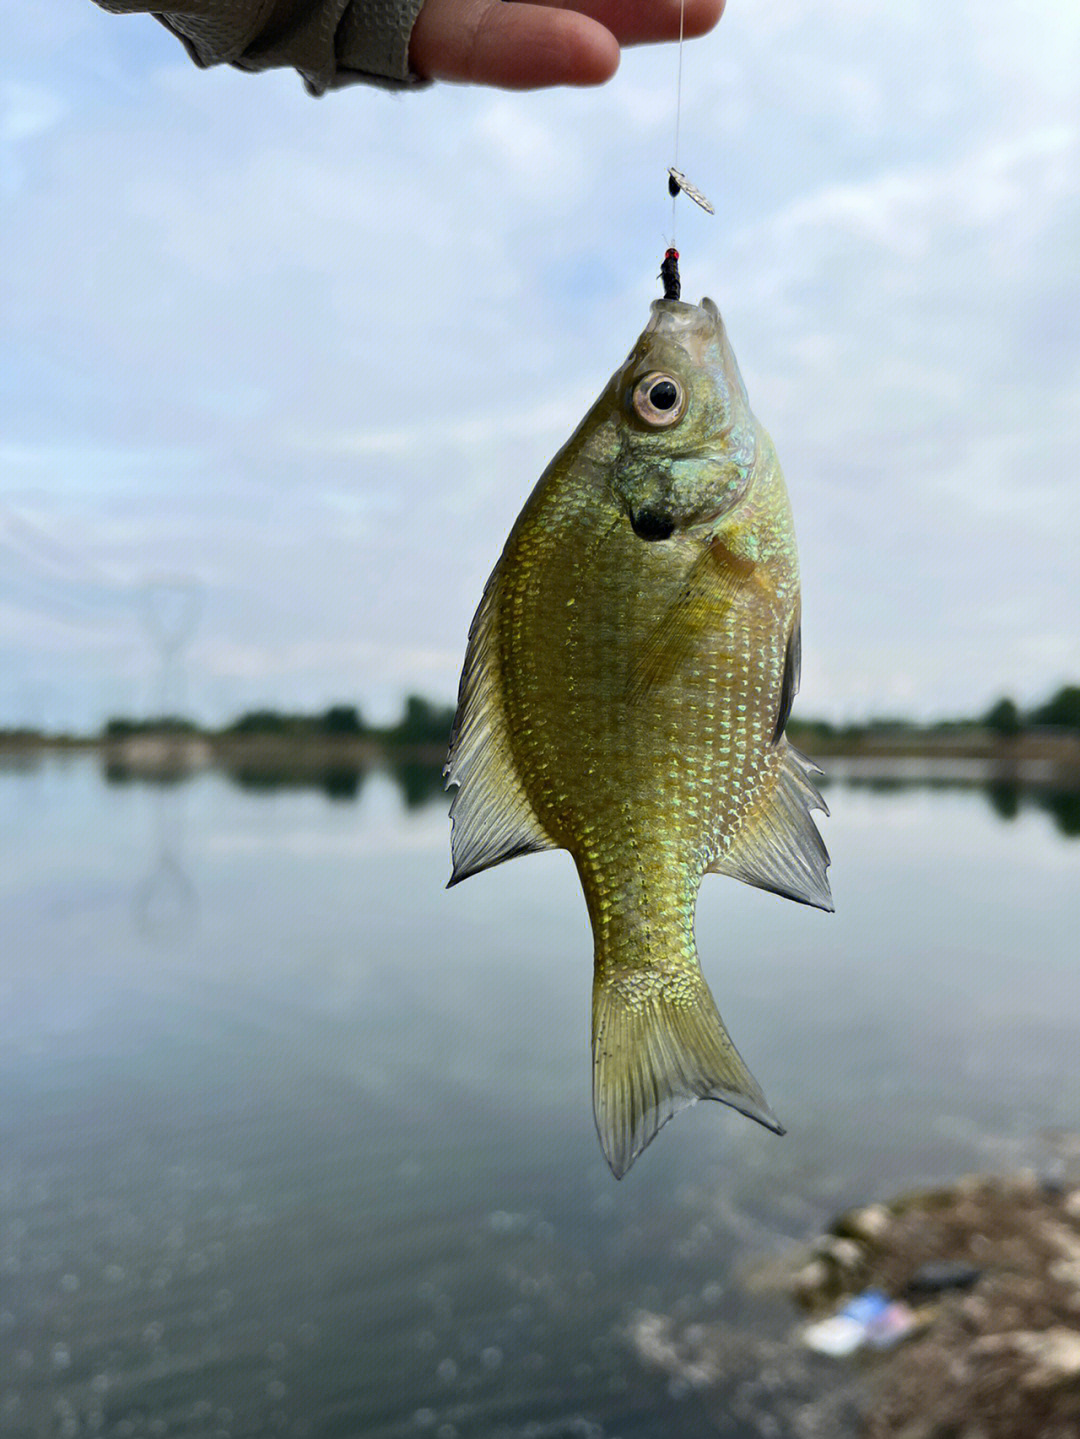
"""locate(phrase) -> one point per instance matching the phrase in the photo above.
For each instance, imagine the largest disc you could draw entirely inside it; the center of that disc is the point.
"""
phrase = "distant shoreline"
(1036, 758)
(1042, 759)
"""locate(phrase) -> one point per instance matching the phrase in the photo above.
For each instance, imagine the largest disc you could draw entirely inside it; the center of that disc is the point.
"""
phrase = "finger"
(512, 45)
(638, 22)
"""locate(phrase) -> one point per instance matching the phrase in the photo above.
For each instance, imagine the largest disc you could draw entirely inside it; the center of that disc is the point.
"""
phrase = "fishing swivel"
(669, 266)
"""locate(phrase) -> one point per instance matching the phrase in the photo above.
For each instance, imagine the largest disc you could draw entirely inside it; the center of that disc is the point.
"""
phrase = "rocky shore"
(983, 1282)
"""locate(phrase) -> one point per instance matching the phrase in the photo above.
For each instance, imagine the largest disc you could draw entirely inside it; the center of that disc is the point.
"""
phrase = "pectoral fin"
(778, 846)
(491, 815)
(696, 613)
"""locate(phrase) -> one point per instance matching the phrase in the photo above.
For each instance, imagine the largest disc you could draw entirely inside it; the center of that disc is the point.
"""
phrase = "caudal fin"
(658, 1048)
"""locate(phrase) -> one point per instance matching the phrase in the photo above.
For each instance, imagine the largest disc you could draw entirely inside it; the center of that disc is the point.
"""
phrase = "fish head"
(688, 438)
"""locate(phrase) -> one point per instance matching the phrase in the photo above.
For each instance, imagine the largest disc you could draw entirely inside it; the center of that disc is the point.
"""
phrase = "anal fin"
(778, 846)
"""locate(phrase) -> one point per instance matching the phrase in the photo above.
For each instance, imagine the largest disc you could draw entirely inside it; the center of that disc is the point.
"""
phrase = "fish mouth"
(652, 525)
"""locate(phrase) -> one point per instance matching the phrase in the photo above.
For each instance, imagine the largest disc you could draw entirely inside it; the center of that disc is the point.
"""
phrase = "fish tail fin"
(659, 1045)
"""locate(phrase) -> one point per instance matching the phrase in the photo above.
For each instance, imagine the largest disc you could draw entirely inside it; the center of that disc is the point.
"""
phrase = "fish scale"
(624, 696)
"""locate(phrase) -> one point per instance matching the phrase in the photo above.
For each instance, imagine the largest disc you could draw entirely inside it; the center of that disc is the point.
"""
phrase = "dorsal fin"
(491, 816)
(778, 846)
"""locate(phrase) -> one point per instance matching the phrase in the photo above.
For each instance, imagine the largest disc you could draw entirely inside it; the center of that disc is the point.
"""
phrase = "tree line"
(427, 723)
(421, 723)
(1061, 711)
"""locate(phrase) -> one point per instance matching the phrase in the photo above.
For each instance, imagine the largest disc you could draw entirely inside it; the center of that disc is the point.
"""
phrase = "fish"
(627, 682)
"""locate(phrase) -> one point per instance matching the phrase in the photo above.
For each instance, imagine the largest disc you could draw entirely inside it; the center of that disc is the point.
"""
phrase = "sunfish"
(628, 679)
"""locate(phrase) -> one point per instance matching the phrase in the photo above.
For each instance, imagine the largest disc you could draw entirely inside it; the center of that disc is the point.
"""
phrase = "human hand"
(554, 42)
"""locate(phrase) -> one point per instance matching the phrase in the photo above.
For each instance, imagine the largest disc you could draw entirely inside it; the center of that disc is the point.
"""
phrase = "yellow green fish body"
(629, 674)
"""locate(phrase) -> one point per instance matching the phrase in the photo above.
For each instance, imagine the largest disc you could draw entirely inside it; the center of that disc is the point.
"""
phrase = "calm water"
(293, 1140)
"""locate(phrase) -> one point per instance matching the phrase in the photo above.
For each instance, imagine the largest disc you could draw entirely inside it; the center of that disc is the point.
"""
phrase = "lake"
(295, 1141)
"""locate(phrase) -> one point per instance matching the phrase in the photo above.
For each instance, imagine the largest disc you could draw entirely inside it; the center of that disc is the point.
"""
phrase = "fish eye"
(659, 400)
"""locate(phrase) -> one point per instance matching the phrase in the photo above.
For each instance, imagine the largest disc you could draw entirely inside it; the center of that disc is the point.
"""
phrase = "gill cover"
(691, 439)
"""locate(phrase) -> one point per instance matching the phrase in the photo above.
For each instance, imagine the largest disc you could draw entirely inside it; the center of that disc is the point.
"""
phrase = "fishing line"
(674, 189)
(677, 182)
(669, 266)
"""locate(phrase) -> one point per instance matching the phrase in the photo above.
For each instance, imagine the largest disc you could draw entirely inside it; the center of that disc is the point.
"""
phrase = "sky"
(277, 373)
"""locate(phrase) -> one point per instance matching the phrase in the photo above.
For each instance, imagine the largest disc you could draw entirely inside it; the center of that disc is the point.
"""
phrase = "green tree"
(262, 722)
(1062, 709)
(1004, 719)
(423, 723)
(120, 728)
(342, 719)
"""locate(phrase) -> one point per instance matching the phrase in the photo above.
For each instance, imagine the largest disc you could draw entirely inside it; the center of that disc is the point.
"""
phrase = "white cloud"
(316, 353)
(273, 660)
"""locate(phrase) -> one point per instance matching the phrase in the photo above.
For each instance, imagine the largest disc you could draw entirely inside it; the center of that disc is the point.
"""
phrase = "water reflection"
(328, 1168)
(337, 781)
(1064, 806)
(420, 782)
(1008, 797)
(1004, 797)
(165, 907)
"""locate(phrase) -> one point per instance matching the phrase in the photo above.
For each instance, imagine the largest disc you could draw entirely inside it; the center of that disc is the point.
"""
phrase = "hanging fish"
(629, 674)
(677, 181)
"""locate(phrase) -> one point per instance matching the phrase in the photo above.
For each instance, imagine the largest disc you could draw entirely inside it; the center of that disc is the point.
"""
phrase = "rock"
(809, 1281)
(1066, 1271)
(1056, 1353)
(1053, 1354)
(1063, 1240)
(992, 1268)
(865, 1224)
(1024, 1184)
(976, 1310)
(844, 1253)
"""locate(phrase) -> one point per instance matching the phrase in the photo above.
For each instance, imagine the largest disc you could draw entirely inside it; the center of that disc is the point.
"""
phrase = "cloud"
(315, 354)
